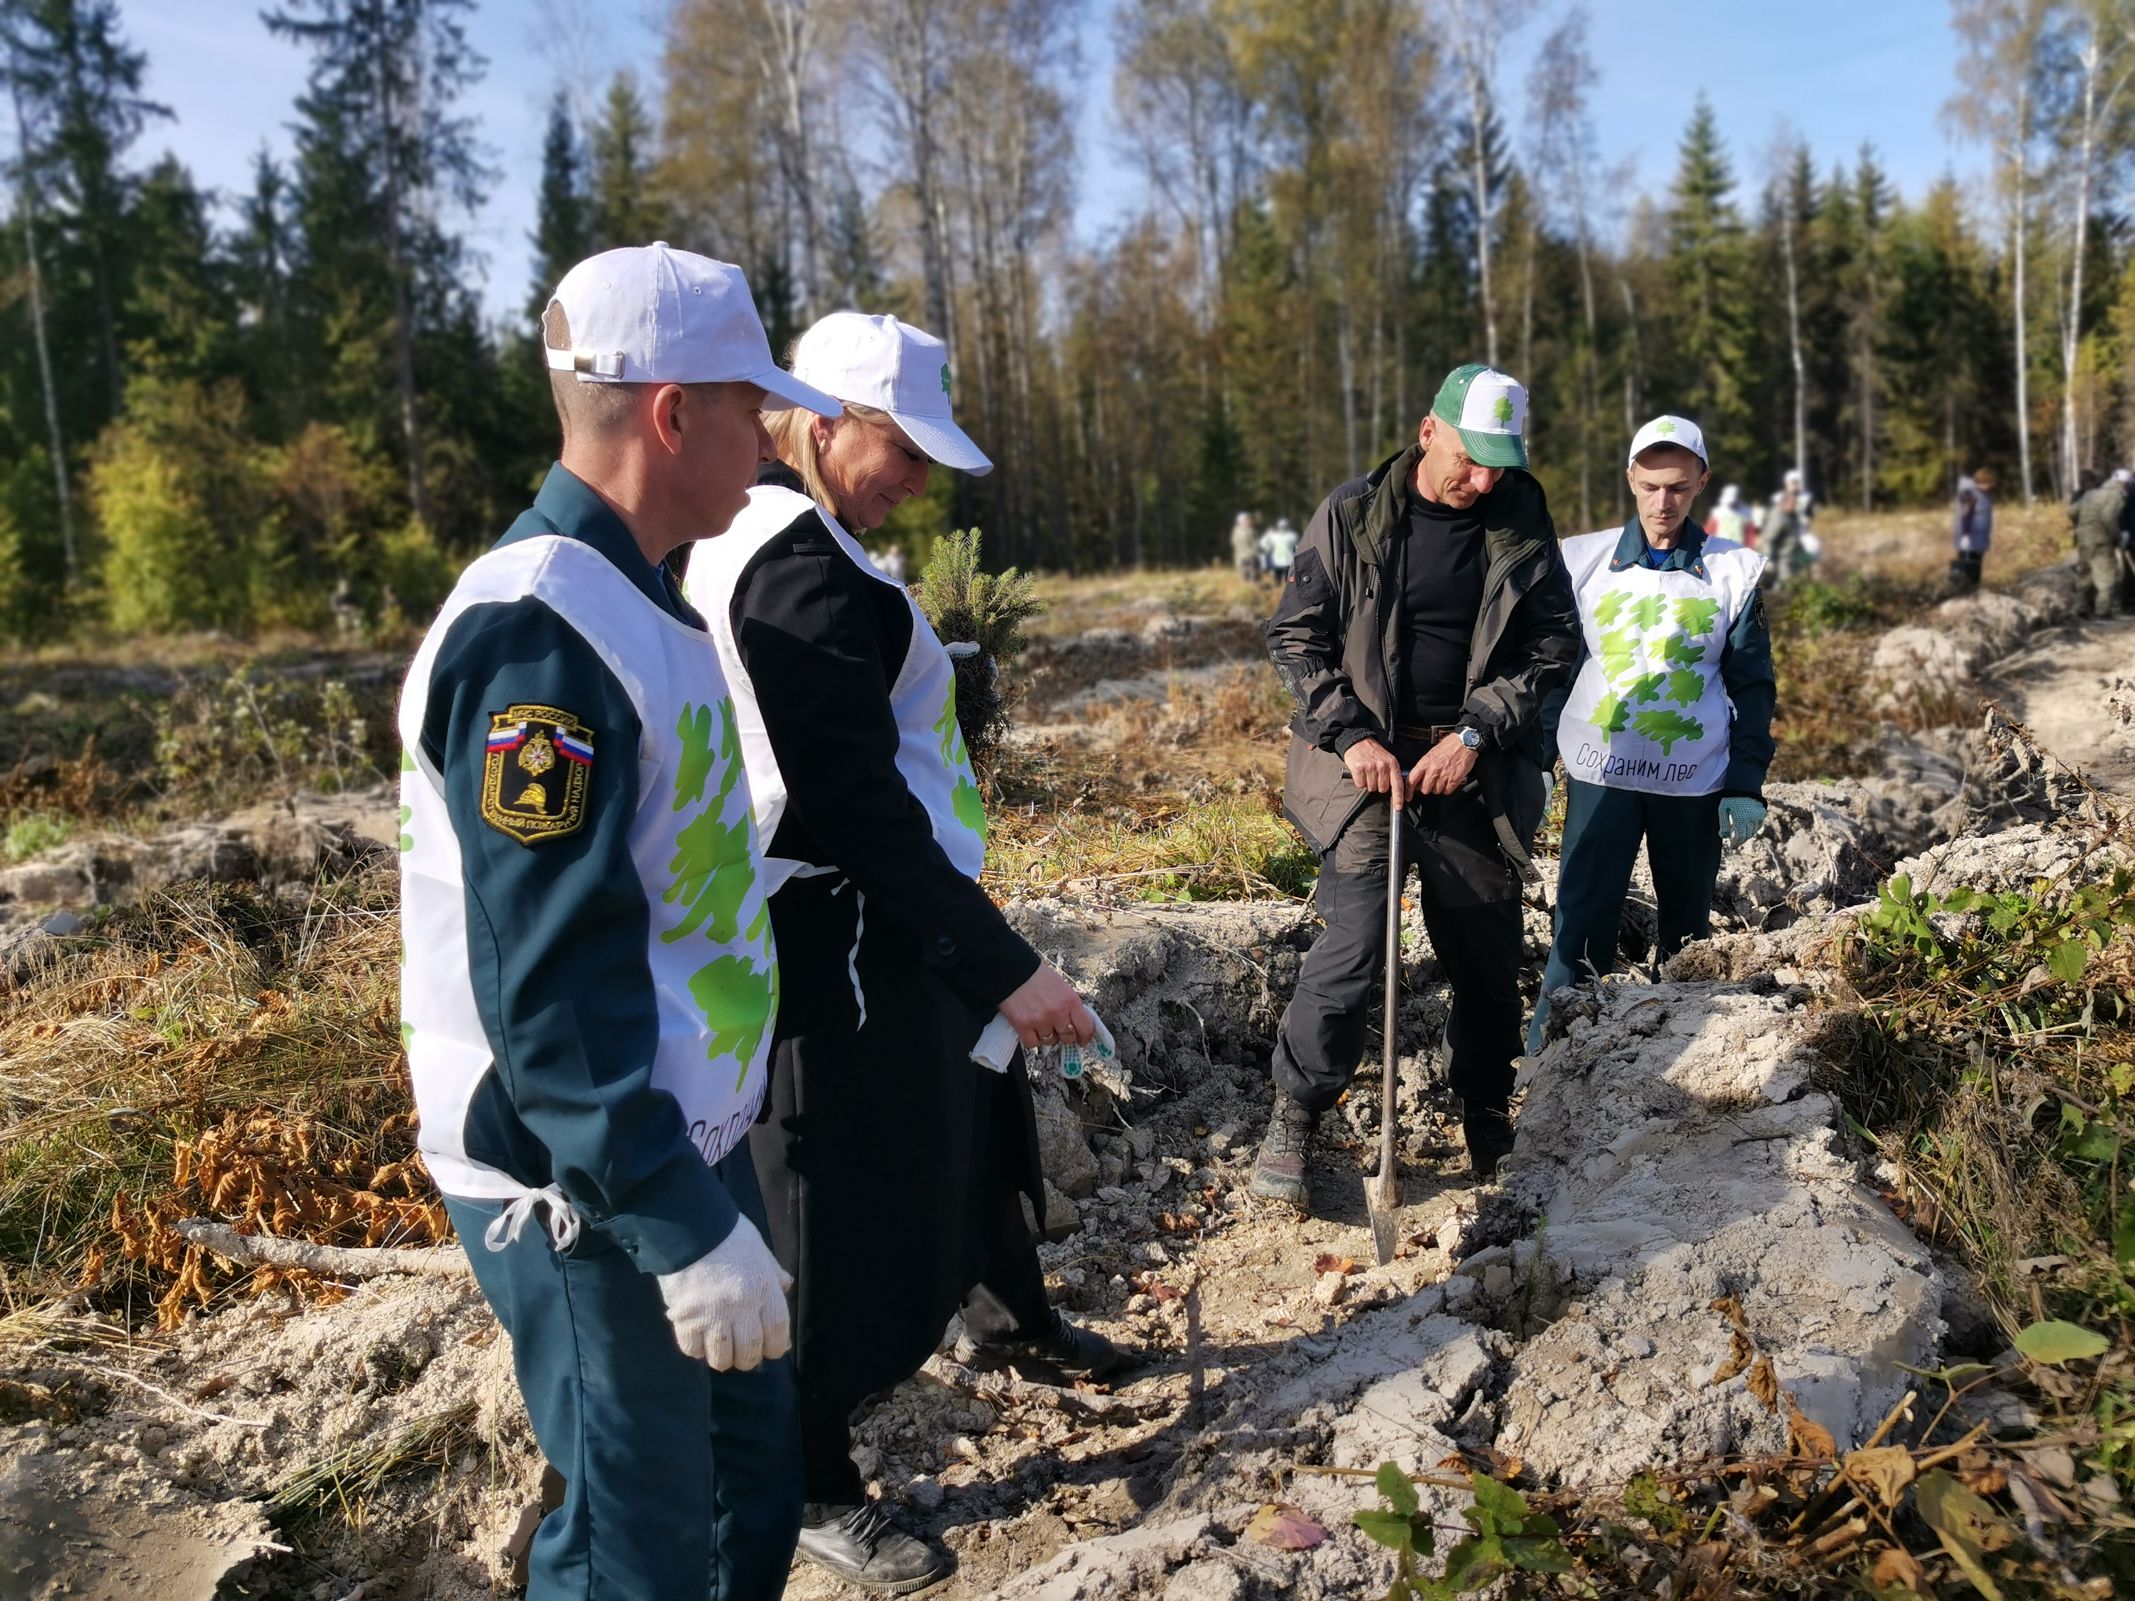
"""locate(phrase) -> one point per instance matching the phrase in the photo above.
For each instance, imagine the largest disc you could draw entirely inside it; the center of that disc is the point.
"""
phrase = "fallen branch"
(157, 1390)
(328, 1261)
(1006, 1387)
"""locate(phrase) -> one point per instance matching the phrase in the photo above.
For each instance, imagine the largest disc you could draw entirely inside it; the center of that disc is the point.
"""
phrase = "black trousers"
(1471, 910)
(1008, 1302)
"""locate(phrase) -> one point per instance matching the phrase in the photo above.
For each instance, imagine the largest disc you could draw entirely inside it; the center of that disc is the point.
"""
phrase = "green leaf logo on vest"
(968, 804)
(712, 863)
(714, 872)
(738, 1000)
(1653, 652)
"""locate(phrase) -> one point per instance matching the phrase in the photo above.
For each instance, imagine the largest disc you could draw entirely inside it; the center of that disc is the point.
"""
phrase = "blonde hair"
(793, 434)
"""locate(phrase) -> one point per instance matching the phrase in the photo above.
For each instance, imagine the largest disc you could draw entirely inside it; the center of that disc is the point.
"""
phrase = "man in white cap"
(893, 1167)
(1426, 617)
(1666, 731)
(590, 984)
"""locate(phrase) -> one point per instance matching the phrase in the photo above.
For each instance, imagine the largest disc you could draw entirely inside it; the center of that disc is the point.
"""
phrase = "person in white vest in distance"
(1666, 730)
(590, 988)
(893, 1167)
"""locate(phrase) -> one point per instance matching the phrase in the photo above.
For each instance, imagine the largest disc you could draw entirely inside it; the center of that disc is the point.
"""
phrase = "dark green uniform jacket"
(1335, 634)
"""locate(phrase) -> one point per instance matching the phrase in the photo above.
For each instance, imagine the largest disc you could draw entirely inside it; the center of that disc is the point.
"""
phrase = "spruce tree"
(560, 234)
(1705, 374)
(624, 208)
(73, 60)
(379, 147)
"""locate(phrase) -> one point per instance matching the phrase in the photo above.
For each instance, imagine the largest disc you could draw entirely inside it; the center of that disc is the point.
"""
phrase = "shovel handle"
(1396, 872)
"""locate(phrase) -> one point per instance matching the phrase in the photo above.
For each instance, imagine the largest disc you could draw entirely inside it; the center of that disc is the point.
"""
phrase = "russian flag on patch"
(507, 738)
(574, 749)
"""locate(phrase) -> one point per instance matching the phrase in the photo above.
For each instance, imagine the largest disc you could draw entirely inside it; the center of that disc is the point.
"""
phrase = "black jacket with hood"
(1336, 634)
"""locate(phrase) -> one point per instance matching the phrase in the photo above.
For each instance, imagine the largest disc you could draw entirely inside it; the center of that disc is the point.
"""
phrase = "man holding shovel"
(1427, 615)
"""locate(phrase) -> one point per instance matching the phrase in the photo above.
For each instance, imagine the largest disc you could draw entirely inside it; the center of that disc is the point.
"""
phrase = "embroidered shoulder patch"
(537, 764)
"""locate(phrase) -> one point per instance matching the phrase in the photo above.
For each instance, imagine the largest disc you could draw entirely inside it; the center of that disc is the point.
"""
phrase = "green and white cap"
(1489, 412)
(1680, 432)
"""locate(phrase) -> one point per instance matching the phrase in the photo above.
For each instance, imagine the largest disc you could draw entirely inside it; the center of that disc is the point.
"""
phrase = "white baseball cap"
(651, 314)
(1680, 432)
(881, 362)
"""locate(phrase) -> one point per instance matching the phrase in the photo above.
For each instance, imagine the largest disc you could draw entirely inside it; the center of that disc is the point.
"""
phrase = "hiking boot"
(1488, 1129)
(1074, 1353)
(863, 1545)
(1279, 1174)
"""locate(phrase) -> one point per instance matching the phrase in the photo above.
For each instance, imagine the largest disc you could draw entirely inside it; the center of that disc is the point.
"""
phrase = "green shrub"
(414, 576)
(37, 831)
(180, 501)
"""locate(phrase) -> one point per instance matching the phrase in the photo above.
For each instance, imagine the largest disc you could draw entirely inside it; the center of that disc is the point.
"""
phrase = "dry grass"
(1073, 606)
(211, 1051)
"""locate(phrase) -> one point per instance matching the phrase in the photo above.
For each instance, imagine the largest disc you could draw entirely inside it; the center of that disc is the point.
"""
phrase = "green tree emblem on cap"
(945, 377)
(1502, 411)
(1665, 427)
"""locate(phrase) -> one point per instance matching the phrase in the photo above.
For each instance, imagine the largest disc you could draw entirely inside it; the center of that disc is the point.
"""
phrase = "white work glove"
(729, 1306)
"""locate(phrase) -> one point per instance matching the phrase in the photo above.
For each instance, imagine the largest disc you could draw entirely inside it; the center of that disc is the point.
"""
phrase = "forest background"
(228, 415)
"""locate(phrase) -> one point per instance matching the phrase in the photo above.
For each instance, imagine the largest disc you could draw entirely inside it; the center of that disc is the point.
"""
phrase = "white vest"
(712, 973)
(1648, 710)
(930, 751)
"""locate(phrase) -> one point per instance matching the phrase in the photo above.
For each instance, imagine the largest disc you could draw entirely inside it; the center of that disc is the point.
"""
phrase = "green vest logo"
(714, 870)
(1653, 657)
(965, 800)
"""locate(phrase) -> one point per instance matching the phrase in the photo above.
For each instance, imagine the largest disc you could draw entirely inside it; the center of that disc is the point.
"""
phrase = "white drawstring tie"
(852, 957)
(560, 1217)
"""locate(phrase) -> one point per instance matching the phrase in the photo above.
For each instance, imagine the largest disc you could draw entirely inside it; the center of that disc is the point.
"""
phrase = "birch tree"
(1997, 102)
(26, 209)
(1474, 32)
(2093, 59)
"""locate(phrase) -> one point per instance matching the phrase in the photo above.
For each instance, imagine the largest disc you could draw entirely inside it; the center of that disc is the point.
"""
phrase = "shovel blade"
(1382, 1198)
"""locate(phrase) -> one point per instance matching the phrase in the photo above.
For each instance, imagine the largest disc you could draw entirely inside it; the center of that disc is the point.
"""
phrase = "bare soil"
(1671, 1148)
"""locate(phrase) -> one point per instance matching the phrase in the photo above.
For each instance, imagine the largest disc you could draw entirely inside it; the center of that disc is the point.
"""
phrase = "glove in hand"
(1740, 818)
(728, 1307)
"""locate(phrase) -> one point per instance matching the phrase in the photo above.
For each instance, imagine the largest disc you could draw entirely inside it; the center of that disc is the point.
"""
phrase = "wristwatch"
(1470, 737)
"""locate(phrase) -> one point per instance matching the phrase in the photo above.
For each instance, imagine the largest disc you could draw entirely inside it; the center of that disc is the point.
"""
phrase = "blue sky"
(1840, 72)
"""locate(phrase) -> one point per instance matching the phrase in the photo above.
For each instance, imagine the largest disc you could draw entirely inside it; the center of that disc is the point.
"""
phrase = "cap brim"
(783, 392)
(944, 442)
(1493, 450)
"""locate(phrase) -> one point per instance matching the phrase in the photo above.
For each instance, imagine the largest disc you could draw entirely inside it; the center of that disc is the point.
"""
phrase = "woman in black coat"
(893, 1167)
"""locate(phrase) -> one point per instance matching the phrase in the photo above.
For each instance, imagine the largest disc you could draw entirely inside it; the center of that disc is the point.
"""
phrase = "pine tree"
(177, 316)
(1706, 267)
(560, 223)
(379, 143)
(73, 59)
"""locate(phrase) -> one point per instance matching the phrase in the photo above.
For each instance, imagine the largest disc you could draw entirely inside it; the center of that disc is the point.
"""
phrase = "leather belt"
(1429, 733)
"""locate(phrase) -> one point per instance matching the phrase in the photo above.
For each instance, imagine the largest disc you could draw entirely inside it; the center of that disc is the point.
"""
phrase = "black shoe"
(1489, 1133)
(1074, 1353)
(1279, 1173)
(863, 1545)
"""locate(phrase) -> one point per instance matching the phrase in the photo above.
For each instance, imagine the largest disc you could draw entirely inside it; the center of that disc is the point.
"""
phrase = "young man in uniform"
(1667, 730)
(590, 985)
(1427, 616)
